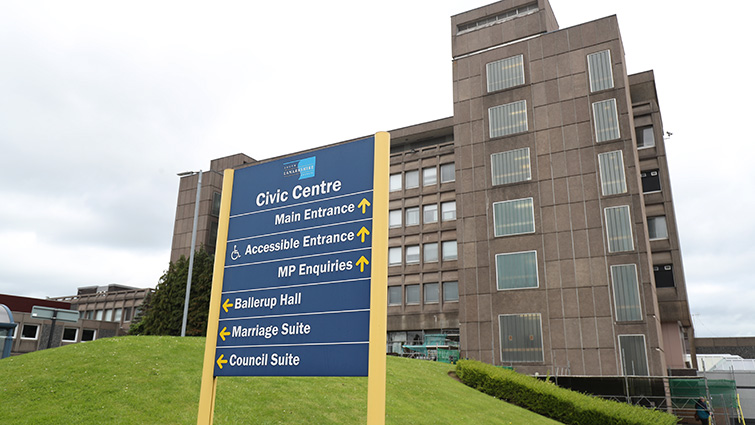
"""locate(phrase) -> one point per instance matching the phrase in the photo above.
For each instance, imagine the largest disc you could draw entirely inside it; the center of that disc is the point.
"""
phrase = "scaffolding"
(436, 347)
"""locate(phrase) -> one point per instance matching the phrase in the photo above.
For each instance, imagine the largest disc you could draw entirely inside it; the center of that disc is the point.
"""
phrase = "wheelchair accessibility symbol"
(235, 254)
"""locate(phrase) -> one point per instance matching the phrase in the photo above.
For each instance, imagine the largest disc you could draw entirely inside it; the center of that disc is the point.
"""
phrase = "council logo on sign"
(302, 168)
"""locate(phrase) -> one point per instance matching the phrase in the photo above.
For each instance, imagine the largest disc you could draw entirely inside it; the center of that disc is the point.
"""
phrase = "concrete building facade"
(536, 226)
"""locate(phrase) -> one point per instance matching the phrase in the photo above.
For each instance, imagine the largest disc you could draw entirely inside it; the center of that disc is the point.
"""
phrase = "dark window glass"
(69, 334)
(29, 331)
(87, 335)
(216, 203)
(651, 181)
(664, 276)
(645, 136)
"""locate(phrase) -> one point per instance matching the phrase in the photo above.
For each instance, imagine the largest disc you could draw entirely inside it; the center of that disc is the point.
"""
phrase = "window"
(612, 178)
(109, 315)
(619, 229)
(599, 68)
(412, 254)
(651, 181)
(29, 331)
(98, 315)
(412, 294)
(657, 228)
(450, 291)
(450, 252)
(447, 172)
(511, 166)
(516, 270)
(429, 176)
(626, 293)
(118, 314)
(505, 73)
(664, 276)
(448, 211)
(395, 182)
(216, 203)
(394, 218)
(430, 213)
(88, 335)
(412, 179)
(432, 295)
(70, 334)
(645, 136)
(394, 256)
(89, 315)
(431, 252)
(634, 358)
(514, 217)
(394, 295)
(606, 120)
(521, 337)
(412, 216)
(127, 314)
(510, 118)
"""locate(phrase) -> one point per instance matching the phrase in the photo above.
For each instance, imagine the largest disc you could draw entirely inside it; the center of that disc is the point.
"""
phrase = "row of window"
(430, 291)
(31, 331)
(448, 252)
(410, 216)
(522, 341)
(516, 217)
(514, 166)
(410, 179)
(109, 315)
(509, 72)
(511, 118)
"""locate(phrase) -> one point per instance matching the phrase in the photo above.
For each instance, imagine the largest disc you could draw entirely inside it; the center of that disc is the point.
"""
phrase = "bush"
(552, 401)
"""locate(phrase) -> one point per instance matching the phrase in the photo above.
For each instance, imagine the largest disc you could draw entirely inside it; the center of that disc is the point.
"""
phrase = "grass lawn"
(155, 380)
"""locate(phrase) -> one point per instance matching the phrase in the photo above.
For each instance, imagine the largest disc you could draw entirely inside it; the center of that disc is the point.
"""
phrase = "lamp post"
(193, 242)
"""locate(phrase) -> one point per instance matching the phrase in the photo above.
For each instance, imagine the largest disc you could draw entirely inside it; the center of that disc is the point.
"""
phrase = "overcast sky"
(102, 103)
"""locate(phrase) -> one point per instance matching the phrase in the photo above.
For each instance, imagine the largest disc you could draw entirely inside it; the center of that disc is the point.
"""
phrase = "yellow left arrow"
(361, 263)
(221, 361)
(227, 304)
(363, 232)
(224, 333)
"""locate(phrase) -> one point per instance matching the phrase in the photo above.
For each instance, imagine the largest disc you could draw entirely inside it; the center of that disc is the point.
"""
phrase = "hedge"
(557, 403)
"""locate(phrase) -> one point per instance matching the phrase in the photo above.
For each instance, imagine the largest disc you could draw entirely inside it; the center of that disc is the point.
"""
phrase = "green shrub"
(552, 401)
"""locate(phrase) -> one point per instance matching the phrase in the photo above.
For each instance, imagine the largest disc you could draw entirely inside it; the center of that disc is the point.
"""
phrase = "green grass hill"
(156, 380)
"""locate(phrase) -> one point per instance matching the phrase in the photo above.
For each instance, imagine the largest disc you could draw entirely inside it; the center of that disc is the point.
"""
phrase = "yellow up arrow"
(221, 361)
(227, 304)
(224, 333)
(363, 205)
(363, 232)
(361, 263)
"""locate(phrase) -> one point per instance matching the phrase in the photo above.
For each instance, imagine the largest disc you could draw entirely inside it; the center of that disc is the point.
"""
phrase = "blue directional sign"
(296, 288)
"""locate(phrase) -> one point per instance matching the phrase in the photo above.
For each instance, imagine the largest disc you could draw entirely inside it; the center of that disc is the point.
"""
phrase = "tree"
(162, 312)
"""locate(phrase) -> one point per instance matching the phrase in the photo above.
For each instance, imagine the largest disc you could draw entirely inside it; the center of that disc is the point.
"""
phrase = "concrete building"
(536, 225)
(118, 304)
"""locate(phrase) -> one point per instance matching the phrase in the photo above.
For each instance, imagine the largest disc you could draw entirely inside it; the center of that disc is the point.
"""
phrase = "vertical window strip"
(619, 229)
(606, 120)
(633, 355)
(521, 337)
(505, 73)
(514, 217)
(508, 119)
(626, 293)
(516, 270)
(511, 166)
(599, 67)
(612, 178)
